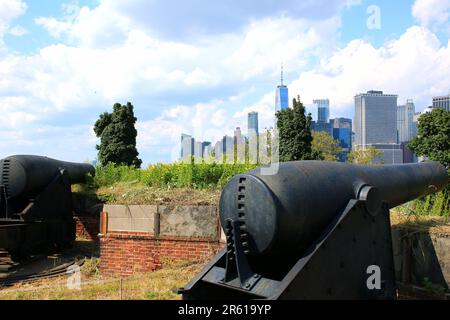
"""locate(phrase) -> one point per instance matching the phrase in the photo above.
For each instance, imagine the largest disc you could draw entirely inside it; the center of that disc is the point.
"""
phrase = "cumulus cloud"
(414, 66)
(10, 10)
(180, 20)
(18, 31)
(432, 13)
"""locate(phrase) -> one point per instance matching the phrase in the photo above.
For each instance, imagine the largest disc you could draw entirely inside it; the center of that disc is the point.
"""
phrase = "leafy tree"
(433, 142)
(295, 137)
(324, 144)
(364, 156)
(117, 135)
(433, 136)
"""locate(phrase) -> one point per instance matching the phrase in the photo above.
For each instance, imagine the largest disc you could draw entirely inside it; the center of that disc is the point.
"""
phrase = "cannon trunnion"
(314, 230)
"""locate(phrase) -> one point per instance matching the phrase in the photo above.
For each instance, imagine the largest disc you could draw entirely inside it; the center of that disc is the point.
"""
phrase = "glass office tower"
(323, 110)
(281, 95)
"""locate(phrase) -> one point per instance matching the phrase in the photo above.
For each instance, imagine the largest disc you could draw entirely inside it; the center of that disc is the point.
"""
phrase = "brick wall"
(125, 253)
(87, 227)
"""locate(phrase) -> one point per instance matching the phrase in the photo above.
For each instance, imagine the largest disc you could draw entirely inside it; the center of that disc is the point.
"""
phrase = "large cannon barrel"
(26, 175)
(285, 212)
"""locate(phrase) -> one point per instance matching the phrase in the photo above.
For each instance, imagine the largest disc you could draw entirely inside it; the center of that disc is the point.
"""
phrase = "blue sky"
(199, 67)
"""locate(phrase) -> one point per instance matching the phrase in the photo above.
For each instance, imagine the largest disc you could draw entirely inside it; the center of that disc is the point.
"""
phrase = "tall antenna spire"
(281, 74)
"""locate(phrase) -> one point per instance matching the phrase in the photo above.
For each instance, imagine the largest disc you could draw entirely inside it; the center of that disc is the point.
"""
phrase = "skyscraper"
(375, 124)
(323, 110)
(237, 135)
(253, 140)
(342, 123)
(442, 102)
(228, 148)
(198, 149)
(253, 123)
(281, 95)
(218, 150)
(187, 146)
(342, 131)
(206, 149)
(405, 121)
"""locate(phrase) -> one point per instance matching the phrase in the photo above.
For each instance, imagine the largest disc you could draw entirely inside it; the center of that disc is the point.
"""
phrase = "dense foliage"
(433, 136)
(173, 175)
(433, 142)
(117, 135)
(295, 136)
(365, 156)
(326, 146)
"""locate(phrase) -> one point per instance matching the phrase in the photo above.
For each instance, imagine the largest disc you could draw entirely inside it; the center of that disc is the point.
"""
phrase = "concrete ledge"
(147, 236)
(178, 221)
(131, 217)
(189, 221)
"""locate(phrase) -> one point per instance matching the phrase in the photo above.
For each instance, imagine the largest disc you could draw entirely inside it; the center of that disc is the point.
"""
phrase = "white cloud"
(9, 10)
(56, 28)
(18, 31)
(414, 66)
(432, 12)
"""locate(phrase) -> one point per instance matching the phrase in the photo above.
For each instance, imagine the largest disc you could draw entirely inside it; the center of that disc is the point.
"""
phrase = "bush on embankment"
(437, 204)
(175, 175)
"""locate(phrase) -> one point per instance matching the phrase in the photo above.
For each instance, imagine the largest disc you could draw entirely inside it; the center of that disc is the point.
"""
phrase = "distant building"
(405, 121)
(228, 148)
(253, 123)
(198, 149)
(442, 102)
(322, 127)
(206, 149)
(218, 150)
(281, 95)
(253, 134)
(323, 110)
(390, 153)
(408, 155)
(342, 131)
(341, 123)
(187, 146)
(375, 124)
(238, 138)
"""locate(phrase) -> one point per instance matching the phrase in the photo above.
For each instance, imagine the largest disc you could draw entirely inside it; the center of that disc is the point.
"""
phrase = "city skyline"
(65, 63)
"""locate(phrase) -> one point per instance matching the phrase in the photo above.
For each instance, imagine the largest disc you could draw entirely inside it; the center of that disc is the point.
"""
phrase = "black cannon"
(314, 230)
(36, 202)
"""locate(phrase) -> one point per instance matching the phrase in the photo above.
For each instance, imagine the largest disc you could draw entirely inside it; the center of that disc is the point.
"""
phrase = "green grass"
(158, 285)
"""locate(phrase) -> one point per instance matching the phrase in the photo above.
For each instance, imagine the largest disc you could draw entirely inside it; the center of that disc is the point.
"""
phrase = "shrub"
(175, 175)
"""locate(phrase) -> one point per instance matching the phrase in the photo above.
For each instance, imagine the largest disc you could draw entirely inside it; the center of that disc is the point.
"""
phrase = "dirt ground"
(158, 285)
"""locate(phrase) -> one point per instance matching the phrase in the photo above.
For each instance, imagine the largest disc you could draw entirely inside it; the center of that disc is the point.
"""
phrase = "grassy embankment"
(177, 184)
